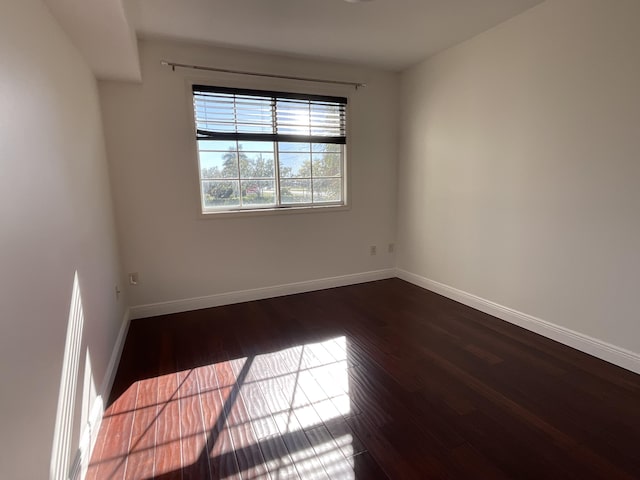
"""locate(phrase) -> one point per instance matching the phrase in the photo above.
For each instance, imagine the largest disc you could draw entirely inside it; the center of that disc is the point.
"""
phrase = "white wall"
(519, 174)
(152, 156)
(55, 218)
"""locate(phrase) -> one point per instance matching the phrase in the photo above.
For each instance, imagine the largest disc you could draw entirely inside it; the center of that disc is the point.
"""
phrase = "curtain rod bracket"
(173, 66)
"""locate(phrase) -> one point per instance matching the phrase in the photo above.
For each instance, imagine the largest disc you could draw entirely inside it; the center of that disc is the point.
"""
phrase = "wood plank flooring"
(378, 380)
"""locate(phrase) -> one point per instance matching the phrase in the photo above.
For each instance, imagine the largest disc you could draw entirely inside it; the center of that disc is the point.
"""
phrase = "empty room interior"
(320, 239)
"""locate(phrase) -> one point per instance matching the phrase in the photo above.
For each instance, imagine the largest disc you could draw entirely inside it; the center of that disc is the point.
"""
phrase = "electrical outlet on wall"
(391, 248)
(373, 250)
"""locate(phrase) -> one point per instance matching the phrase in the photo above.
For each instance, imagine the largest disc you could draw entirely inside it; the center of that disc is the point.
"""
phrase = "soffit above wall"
(100, 29)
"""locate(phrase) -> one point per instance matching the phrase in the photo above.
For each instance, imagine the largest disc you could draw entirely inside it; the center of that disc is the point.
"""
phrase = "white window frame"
(224, 81)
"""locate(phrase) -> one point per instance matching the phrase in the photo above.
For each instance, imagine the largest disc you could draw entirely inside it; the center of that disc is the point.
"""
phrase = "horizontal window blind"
(255, 115)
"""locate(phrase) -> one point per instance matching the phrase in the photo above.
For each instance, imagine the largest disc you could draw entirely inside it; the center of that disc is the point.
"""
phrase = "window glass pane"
(252, 113)
(225, 162)
(219, 112)
(258, 192)
(220, 193)
(293, 117)
(257, 165)
(217, 145)
(295, 165)
(212, 166)
(327, 148)
(293, 147)
(254, 128)
(327, 165)
(256, 146)
(327, 190)
(237, 174)
(294, 191)
(326, 119)
(325, 131)
(218, 127)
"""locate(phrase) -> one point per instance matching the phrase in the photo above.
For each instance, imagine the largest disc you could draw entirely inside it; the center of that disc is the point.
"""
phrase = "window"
(269, 150)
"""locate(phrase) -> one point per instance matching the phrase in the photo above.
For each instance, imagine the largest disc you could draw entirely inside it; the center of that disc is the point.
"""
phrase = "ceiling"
(389, 34)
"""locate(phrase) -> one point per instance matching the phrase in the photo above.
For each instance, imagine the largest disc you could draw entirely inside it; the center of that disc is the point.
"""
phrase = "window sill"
(273, 211)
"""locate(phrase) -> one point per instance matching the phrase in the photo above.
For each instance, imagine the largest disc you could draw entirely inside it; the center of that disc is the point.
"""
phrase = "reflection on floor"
(377, 380)
(277, 415)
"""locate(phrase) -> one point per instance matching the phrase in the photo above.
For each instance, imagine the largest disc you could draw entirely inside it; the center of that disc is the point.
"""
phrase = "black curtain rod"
(173, 66)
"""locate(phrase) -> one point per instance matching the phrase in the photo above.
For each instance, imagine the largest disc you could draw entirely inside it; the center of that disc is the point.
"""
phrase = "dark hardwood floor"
(378, 380)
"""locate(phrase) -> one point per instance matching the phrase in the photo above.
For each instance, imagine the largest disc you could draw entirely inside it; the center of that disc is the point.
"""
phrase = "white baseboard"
(593, 346)
(88, 439)
(598, 348)
(89, 433)
(112, 367)
(228, 298)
